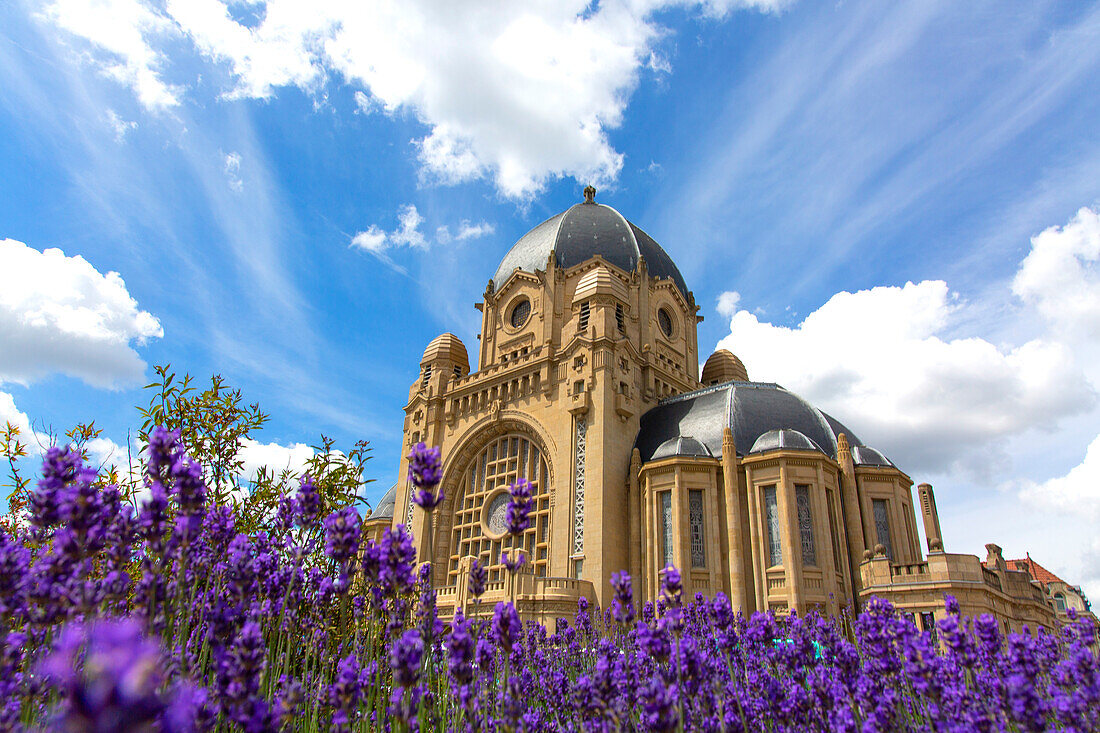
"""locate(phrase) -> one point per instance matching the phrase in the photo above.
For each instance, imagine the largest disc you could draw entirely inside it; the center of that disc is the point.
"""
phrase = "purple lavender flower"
(519, 507)
(425, 473)
(622, 605)
(479, 576)
(342, 534)
(507, 628)
(513, 561)
(309, 503)
(108, 675)
(460, 649)
(343, 693)
(671, 585)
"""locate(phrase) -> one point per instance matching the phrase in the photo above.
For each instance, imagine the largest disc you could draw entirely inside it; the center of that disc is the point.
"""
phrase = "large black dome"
(581, 232)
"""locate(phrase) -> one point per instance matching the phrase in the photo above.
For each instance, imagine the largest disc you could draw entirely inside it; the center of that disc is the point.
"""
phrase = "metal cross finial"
(590, 194)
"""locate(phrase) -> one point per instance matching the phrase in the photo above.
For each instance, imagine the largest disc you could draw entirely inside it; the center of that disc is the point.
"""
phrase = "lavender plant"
(171, 618)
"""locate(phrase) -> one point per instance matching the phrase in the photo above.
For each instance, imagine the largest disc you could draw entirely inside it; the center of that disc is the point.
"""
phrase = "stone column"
(823, 538)
(931, 517)
(634, 509)
(679, 521)
(853, 511)
(736, 543)
(788, 522)
(756, 542)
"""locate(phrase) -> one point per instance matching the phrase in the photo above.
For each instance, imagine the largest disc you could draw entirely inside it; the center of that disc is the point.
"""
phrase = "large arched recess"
(457, 464)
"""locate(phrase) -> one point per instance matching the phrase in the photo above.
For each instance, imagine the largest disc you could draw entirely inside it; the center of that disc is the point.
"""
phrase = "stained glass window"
(666, 526)
(882, 526)
(698, 543)
(520, 313)
(771, 515)
(475, 525)
(805, 525)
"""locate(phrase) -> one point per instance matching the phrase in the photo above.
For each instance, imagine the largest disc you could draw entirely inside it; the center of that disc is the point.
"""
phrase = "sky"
(890, 209)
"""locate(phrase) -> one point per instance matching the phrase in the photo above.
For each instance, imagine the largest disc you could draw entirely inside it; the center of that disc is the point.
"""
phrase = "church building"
(588, 384)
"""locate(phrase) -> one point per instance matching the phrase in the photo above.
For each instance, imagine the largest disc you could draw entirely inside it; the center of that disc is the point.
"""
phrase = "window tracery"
(698, 538)
(481, 502)
(805, 525)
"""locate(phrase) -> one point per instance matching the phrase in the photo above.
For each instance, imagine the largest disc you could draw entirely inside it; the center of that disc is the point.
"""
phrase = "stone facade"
(585, 362)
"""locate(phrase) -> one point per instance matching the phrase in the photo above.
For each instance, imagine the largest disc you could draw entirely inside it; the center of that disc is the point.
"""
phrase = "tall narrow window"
(584, 317)
(666, 527)
(698, 543)
(882, 526)
(427, 376)
(834, 529)
(805, 525)
(771, 516)
(620, 318)
(1060, 602)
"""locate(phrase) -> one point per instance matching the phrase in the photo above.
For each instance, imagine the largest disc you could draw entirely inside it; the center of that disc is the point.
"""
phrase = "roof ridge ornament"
(590, 194)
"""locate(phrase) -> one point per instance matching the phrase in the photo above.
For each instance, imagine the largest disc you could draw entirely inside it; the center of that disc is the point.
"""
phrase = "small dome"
(783, 440)
(447, 347)
(723, 366)
(684, 445)
(581, 232)
(384, 510)
(599, 281)
(865, 456)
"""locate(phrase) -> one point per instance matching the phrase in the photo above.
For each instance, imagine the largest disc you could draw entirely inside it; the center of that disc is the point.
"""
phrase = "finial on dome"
(590, 194)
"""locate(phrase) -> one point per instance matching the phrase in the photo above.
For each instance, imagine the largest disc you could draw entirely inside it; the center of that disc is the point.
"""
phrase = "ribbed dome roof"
(749, 409)
(449, 347)
(384, 510)
(863, 455)
(783, 440)
(723, 366)
(681, 446)
(582, 232)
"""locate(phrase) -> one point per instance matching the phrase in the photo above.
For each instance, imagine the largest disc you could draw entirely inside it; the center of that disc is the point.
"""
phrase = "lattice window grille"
(409, 508)
(666, 527)
(698, 541)
(771, 513)
(882, 526)
(486, 479)
(805, 525)
(578, 488)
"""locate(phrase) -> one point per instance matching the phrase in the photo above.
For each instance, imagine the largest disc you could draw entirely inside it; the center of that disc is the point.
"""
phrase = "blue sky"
(299, 196)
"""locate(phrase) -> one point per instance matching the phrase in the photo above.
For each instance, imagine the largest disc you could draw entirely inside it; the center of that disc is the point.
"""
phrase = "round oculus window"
(496, 518)
(520, 313)
(664, 320)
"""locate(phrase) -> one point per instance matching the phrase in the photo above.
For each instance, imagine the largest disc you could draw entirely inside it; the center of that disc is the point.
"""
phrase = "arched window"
(1060, 602)
(482, 502)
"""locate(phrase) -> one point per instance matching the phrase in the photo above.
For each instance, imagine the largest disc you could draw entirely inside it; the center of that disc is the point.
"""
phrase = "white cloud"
(407, 234)
(727, 303)
(466, 230)
(878, 360)
(520, 92)
(233, 171)
(28, 436)
(60, 314)
(123, 31)
(1060, 276)
(274, 456)
(1078, 491)
(119, 125)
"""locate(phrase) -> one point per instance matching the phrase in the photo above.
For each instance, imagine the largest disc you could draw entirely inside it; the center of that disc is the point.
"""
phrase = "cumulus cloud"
(727, 303)
(28, 436)
(407, 234)
(1060, 276)
(878, 360)
(60, 314)
(1076, 491)
(273, 456)
(124, 33)
(520, 92)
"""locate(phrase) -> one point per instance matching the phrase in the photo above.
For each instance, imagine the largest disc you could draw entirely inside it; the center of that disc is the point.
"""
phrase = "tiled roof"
(1037, 571)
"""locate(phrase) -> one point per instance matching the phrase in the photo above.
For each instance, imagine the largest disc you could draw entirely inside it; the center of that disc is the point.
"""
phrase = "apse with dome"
(588, 384)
